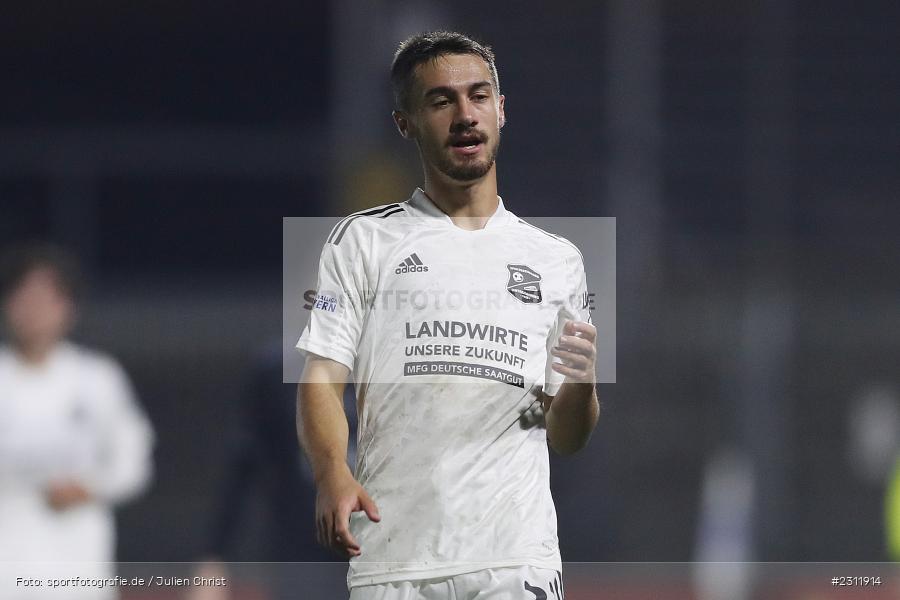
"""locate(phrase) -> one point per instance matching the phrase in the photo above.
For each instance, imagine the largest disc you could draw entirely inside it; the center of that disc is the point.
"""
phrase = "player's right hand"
(339, 495)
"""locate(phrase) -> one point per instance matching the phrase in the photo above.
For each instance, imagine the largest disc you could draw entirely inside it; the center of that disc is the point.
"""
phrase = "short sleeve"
(575, 307)
(338, 310)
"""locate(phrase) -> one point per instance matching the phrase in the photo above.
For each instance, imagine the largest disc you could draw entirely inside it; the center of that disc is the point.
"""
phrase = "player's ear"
(402, 123)
(502, 114)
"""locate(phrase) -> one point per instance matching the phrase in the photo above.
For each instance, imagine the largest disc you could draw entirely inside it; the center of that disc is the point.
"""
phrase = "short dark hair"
(20, 260)
(429, 46)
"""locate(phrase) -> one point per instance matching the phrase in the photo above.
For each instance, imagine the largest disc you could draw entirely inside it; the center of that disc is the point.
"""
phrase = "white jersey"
(72, 418)
(447, 333)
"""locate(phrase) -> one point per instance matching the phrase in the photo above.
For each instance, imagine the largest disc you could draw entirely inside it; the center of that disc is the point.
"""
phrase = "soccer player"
(73, 440)
(469, 340)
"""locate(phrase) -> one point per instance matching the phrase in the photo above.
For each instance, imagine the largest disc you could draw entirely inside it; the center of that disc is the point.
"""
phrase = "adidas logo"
(412, 264)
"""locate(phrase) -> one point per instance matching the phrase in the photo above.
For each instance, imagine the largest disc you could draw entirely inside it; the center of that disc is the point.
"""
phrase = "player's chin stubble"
(466, 170)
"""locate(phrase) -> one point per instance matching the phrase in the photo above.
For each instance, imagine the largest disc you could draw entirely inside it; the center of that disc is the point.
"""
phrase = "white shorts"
(507, 583)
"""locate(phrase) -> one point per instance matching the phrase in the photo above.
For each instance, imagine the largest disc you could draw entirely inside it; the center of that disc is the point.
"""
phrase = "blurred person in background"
(74, 442)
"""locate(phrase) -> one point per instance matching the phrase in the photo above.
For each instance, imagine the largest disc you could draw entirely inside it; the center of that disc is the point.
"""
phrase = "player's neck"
(468, 205)
(34, 354)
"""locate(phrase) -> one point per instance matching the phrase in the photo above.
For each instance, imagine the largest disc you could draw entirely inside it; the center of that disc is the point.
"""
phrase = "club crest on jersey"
(524, 284)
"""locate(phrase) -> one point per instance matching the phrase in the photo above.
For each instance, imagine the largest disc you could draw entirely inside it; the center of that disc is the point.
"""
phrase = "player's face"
(38, 312)
(456, 116)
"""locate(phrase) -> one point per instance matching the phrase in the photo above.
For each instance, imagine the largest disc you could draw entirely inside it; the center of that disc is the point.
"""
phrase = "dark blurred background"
(749, 151)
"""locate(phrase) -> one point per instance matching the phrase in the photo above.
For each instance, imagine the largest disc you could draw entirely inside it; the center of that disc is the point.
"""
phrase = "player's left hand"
(66, 494)
(577, 350)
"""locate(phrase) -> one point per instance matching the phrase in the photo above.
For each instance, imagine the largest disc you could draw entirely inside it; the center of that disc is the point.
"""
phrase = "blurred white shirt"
(72, 418)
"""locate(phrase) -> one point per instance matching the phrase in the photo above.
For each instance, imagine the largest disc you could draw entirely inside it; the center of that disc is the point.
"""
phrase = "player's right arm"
(331, 339)
(323, 431)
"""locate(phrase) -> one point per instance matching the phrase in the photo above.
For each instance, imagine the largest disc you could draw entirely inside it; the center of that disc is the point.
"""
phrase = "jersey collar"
(422, 206)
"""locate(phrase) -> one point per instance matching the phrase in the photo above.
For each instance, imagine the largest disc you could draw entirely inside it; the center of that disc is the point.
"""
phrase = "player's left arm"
(126, 444)
(572, 413)
(124, 439)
